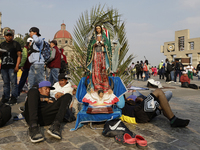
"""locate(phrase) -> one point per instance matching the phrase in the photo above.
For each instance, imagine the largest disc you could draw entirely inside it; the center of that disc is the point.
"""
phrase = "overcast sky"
(149, 23)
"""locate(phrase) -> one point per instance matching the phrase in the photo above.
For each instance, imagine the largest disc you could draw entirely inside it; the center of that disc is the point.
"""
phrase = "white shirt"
(190, 68)
(65, 89)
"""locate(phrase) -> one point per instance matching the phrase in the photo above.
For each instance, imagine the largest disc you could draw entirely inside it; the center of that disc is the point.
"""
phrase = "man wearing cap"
(62, 87)
(41, 109)
(11, 59)
(54, 62)
(36, 72)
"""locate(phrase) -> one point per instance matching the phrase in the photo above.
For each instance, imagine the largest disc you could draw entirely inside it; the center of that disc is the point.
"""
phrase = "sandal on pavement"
(141, 142)
(125, 139)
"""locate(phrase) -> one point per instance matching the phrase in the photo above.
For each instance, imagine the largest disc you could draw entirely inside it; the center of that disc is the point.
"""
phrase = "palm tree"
(109, 19)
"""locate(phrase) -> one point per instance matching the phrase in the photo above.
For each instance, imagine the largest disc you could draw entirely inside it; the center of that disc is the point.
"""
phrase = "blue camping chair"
(83, 117)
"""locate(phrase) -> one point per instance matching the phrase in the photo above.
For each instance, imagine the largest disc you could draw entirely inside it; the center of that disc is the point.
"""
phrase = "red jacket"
(56, 62)
(184, 79)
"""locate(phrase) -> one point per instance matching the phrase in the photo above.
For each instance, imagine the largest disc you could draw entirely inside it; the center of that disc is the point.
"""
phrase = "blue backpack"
(46, 51)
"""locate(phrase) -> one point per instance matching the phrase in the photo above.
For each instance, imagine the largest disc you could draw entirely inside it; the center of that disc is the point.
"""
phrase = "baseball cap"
(29, 40)
(63, 76)
(54, 42)
(8, 31)
(35, 29)
(46, 84)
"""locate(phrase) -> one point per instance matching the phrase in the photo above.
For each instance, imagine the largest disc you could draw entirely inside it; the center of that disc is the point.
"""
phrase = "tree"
(20, 41)
(83, 30)
(26, 37)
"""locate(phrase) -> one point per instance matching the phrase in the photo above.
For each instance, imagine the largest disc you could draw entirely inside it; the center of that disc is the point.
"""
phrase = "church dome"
(63, 33)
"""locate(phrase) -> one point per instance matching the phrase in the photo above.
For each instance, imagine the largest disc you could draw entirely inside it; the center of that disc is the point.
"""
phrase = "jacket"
(65, 89)
(55, 59)
(35, 56)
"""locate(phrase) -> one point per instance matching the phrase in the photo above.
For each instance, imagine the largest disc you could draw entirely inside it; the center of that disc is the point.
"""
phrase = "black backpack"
(169, 67)
(63, 66)
(115, 127)
(5, 114)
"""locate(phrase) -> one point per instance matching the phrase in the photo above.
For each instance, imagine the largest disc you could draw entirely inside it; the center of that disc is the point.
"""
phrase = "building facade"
(184, 48)
(64, 40)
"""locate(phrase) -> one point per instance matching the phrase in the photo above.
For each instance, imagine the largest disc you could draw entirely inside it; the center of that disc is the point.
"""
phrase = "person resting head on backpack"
(159, 102)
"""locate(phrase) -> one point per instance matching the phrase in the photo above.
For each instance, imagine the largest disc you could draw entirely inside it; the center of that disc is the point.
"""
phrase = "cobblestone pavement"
(185, 103)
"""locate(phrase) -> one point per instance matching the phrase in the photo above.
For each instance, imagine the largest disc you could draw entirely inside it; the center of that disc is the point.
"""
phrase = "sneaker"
(54, 130)
(12, 101)
(22, 108)
(3, 100)
(35, 134)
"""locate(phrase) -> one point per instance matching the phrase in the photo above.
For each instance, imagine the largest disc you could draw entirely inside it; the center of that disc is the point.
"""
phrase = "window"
(66, 42)
(59, 41)
(181, 43)
(191, 45)
(65, 53)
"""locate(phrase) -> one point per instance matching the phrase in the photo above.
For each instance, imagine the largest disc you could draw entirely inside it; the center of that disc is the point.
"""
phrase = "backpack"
(63, 67)
(137, 66)
(145, 68)
(169, 67)
(5, 114)
(46, 51)
(115, 127)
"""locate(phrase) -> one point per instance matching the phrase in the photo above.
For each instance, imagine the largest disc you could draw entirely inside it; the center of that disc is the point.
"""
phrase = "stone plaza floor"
(185, 104)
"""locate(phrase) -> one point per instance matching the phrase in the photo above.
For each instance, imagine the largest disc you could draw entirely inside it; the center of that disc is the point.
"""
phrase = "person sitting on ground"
(185, 81)
(62, 87)
(41, 109)
(146, 108)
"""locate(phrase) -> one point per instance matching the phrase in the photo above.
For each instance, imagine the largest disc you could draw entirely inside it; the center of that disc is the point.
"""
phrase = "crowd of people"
(30, 61)
(165, 70)
(48, 101)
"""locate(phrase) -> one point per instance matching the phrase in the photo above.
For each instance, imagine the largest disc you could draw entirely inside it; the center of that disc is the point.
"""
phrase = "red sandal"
(141, 142)
(126, 139)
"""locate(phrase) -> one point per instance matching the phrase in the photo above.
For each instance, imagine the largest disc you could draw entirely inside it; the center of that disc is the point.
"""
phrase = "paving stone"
(13, 146)
(64, 146)
(79, 140)
(186, 145)
(160, 146)
(91, 146)
(8, 139)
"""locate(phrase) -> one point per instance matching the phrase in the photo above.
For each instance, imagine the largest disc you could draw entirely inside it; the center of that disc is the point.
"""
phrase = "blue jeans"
(22, 80)
(146, 75)
(36, 75)
(177, 72)
(53, 76)
(172, 75)
(8, 77)
(168, 95)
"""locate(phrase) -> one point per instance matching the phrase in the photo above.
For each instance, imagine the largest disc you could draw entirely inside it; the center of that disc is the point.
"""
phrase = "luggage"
(5, 114)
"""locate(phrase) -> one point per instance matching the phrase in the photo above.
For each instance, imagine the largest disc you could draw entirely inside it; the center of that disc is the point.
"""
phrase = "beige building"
(183, 48)
(64, 40)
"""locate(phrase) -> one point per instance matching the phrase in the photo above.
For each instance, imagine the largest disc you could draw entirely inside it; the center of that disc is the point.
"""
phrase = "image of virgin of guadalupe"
(99, 56)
